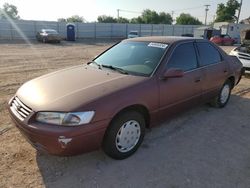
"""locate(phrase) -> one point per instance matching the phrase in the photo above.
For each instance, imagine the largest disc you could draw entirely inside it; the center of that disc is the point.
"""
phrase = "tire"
(124, 135)
(44, 40)
(223, 97)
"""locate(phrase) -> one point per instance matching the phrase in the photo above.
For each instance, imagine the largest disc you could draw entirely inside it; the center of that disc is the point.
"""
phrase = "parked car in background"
(48, 35)
(187, 35)
(243, 53)
(133, 34)
(110, 101)
(222, 40)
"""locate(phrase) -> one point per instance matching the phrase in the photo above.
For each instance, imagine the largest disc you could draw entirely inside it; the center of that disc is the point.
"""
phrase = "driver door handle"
(198, 79)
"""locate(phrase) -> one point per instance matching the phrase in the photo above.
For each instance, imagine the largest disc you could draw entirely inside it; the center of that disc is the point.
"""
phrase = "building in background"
(206, 32)
(231, 29)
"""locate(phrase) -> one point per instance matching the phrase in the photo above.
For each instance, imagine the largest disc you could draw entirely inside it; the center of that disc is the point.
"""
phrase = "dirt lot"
(203, 147)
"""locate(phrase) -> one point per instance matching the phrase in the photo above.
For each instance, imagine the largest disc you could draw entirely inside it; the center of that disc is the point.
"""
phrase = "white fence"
(29, 29)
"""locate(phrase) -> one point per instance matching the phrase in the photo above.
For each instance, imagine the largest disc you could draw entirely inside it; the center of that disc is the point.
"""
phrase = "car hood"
(70, 89)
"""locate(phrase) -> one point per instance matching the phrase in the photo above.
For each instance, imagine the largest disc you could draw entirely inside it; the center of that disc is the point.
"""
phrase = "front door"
(180, 92)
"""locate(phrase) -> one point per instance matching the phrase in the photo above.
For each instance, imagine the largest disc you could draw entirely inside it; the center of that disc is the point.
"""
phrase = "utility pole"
(129, 11)
(238, 18)
(206, 10)
(172, 14)
(118, 13)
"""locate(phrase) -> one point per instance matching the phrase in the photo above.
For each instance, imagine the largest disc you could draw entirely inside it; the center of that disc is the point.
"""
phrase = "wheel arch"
(138, 108)
(232, 80)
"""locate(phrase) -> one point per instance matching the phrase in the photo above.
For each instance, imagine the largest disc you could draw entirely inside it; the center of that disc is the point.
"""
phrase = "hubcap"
(128, 136)
(225, 94)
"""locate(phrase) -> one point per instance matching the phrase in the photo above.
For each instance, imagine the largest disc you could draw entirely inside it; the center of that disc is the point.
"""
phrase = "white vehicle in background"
(243, 55)
(133, 34)
(243, 51)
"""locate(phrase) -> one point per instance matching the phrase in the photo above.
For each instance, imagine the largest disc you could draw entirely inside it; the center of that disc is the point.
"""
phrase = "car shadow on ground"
(203, 147)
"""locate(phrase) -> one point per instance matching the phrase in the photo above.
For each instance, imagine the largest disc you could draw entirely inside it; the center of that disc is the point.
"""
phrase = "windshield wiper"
(115, 68)
(93, 62)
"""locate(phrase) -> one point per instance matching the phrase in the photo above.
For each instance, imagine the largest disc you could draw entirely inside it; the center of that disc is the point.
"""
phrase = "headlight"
(67, 119)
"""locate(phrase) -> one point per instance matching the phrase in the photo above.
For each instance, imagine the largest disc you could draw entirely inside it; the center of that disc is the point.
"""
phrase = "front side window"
(136, 58)
(208, 54)
(183, 57)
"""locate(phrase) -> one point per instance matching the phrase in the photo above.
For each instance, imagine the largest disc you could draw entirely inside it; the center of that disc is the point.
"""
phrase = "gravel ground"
(203, 147)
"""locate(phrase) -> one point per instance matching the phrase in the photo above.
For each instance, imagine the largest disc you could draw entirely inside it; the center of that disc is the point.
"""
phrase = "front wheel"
(222, 99)
(124, 135)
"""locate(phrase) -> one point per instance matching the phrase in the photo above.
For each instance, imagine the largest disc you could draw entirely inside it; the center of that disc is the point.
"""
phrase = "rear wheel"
(222, 99)
(124, 135)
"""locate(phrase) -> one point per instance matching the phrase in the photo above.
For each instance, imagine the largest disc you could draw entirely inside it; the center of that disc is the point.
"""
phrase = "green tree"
(9, 10)
(152, 17)
(75, 18)
(147, 17)
(187, 19)
(165, 18)
(136, 20)
(122, 20)
(226, 12)
(106, 19)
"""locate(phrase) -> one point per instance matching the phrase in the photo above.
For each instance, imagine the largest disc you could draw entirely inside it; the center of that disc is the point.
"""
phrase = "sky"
(51, 10)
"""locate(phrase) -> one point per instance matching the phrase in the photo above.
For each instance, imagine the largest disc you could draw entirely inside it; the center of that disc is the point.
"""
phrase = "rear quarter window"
(208, 54)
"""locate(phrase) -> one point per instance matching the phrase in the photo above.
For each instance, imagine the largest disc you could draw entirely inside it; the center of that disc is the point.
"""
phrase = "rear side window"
(208, 54)
(183, 57)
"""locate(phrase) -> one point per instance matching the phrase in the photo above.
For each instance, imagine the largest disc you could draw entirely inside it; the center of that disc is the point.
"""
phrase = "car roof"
(49, 30)
(163, 39)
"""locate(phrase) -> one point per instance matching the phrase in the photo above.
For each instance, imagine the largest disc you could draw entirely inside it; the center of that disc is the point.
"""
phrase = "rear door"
(176, 93)
(215, 69)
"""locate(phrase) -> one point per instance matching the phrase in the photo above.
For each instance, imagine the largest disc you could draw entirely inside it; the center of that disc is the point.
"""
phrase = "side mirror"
(173, 73)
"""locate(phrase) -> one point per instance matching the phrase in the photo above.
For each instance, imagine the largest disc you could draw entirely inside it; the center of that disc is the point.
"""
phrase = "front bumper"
(243, 57)
(61, 140)
(245, 62)
(53, 39)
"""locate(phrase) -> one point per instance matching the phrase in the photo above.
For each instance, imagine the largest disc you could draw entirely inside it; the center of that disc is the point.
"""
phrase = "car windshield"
(51, 31)
(133, 33)
(136, 58)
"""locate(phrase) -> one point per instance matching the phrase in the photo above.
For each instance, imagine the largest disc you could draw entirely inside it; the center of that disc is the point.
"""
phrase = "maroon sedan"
(223, 40)
(132, 86)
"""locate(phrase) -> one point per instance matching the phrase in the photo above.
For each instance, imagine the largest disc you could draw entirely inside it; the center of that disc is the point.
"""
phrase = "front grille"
(19, 109)
(244, 56)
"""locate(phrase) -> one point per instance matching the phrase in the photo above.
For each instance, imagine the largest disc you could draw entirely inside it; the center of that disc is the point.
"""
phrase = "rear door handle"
(197, 80)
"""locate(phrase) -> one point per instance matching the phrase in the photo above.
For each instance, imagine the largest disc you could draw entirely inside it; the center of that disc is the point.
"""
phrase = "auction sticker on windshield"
(157, 45)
